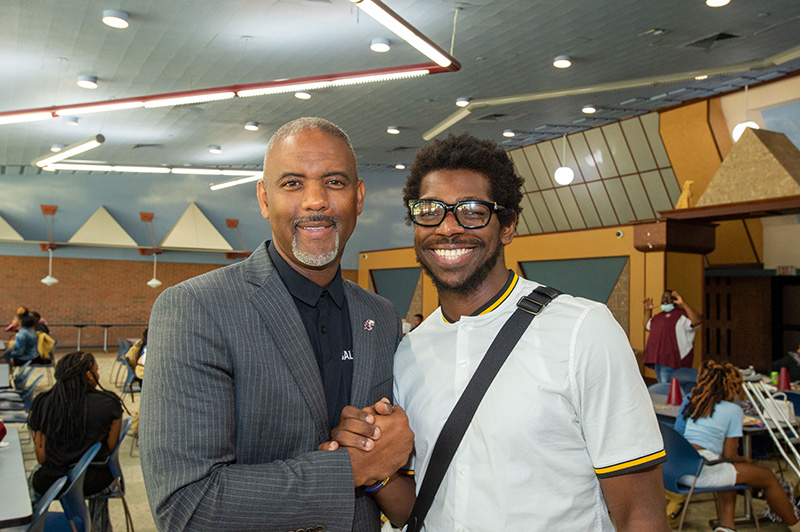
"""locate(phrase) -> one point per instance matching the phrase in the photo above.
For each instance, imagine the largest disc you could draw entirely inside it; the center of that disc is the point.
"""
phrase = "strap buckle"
(529, 305)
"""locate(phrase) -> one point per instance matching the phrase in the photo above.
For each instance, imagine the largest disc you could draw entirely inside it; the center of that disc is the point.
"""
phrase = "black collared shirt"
(327, 321)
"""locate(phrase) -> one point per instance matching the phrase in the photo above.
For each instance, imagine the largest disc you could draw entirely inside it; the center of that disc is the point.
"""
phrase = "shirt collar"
(301, 287)
(493, 303)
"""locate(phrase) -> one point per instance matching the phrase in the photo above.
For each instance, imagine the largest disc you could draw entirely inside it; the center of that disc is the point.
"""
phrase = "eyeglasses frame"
(451, 207)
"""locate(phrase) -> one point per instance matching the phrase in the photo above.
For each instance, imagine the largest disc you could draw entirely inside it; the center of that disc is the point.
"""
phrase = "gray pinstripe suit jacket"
(233, 407)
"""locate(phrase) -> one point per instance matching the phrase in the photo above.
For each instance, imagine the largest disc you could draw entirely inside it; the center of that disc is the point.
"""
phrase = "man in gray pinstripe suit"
(249, 366)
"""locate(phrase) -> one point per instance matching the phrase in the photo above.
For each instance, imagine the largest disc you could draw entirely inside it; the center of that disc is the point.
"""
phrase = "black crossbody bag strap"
(528, 307)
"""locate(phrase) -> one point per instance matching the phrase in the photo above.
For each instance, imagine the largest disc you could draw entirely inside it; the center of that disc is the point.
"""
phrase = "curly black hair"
(465, 152)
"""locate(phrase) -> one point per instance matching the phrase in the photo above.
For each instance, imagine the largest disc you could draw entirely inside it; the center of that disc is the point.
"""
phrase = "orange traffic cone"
(783, 380)
(675, 396)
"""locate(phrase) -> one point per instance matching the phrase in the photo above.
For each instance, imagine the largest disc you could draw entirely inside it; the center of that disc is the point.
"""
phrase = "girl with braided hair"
(66, 421)
(713, 427)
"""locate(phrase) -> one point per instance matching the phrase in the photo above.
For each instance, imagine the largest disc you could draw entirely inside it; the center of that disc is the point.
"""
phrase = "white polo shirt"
(568, 406)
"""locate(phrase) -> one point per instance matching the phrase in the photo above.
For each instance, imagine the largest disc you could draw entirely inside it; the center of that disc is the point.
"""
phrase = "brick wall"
(88, 291)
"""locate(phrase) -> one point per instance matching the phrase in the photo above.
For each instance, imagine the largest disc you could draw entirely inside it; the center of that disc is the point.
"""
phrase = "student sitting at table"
(25, 343)
(66, 421)
(713, 427)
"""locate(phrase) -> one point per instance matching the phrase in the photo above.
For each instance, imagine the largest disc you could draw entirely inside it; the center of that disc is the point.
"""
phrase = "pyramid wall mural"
(8, 233)
(101, 229)
(762, 165)
(194, 231)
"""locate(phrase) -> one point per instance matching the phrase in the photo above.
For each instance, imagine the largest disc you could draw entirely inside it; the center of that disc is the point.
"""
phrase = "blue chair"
(685, 375)
(21, 377)
(660, 388)
(116, 472)
(40, 510)
(683, 459)
(75, 517)
(688, 386)
(19, 400)
(132, 384)
(794, 398)
(124, 346)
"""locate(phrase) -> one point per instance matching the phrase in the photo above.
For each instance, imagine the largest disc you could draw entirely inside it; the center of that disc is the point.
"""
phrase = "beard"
(313, 260)
(473, 280)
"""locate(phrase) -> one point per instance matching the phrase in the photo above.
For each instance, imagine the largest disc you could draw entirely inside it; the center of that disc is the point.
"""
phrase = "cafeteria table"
(15, 501)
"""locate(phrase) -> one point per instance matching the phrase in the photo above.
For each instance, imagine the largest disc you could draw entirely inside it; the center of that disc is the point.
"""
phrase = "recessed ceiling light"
(701, 77)
(87, 82)
(393, 130)
(562, 61)
(400, 166)
(214, 149)
(508, 133)
(717, 3)
(71, 120)
(251, 126)
(55, 148)
(589, 109)
(463, 102)
(115, 18)
(379, 45)
(302, 95)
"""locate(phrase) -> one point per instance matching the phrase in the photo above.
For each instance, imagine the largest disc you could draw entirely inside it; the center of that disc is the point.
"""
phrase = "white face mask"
(667, 307)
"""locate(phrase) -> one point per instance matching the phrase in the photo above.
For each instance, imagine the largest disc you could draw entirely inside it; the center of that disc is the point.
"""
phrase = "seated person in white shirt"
(713, 427)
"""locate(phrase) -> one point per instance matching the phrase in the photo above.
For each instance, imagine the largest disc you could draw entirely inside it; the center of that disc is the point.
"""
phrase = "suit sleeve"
(188, 441)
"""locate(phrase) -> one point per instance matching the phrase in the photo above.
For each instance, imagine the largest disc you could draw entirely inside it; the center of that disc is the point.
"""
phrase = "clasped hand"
(377, 438)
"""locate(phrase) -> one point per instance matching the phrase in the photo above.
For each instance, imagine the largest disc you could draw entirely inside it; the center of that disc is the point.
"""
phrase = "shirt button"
(462, 471)
(462, 363)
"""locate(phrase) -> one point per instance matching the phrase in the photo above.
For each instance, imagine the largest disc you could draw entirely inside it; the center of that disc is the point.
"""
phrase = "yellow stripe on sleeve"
(645, 460)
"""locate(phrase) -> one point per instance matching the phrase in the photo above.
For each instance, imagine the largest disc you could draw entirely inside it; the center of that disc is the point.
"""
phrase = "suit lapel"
(364, 347)
(279, 313)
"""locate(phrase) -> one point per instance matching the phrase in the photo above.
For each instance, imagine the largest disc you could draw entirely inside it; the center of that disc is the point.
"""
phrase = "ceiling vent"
(709, 42)
(494, 117)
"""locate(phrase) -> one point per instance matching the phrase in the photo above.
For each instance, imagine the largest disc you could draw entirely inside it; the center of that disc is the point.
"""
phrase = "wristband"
(377, 486)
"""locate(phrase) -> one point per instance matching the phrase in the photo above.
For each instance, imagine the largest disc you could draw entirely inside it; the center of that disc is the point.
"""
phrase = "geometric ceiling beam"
(230, 91)
(147, 218)
(193, 231)
(474, 105)
(233, 224)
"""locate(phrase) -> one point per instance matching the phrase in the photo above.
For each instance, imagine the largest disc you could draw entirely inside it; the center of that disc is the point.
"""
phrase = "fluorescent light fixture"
(251, 126)
(717, 3)
(99, 108)
(234, 182)
(115, 18)
(71, 120)
(294, 87)
(400, 166)
(393, 130)
(463, 102)
(86, 81)
(701, 77)
(302, 95)
(25, 117)
(564, 175)
(75, 167)
(141, 169)
(508, 133)
(75, 149)
(216, 150)
(196, 171)
(379, 77)
(185, 100)
(589, 109)
(393, 22)
(380, 45)
(562, 61)
(55, 148)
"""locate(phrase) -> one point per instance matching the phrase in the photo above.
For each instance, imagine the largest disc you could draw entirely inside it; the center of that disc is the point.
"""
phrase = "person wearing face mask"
(669, 345)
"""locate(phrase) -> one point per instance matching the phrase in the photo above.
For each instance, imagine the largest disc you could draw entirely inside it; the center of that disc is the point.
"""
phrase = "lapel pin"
(369, 324)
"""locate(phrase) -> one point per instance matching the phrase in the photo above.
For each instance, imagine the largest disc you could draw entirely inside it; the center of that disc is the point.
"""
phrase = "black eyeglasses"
(470, 214)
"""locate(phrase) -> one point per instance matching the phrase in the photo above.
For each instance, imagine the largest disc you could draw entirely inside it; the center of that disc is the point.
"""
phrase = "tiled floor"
(701, 510)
